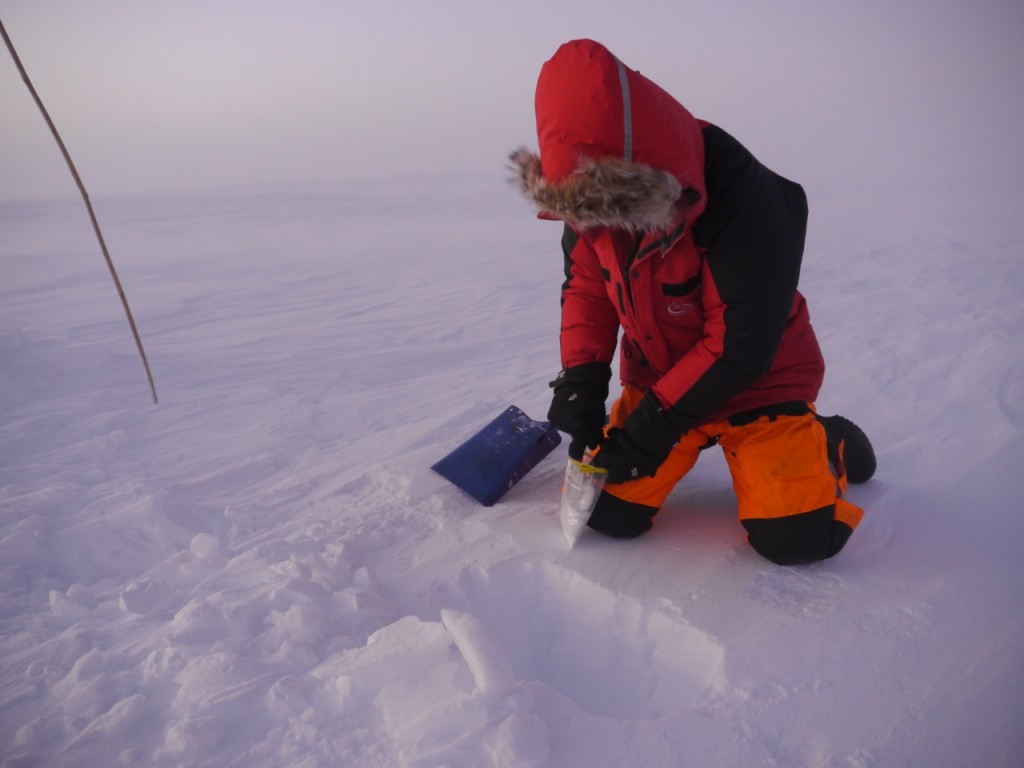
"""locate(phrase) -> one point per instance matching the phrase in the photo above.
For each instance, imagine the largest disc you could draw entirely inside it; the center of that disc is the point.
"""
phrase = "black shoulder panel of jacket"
(740, 186)
(753, 230)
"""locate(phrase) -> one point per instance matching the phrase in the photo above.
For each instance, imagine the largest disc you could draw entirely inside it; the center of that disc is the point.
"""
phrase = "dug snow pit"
(412, 679)
(613, 655)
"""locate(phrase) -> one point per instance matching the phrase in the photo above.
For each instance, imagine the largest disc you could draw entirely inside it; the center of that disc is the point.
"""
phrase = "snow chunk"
(491, 667)
(205, 546)
(520, 740)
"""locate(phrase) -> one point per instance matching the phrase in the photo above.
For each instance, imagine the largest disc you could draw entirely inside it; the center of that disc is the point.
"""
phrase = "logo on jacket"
(679, 308)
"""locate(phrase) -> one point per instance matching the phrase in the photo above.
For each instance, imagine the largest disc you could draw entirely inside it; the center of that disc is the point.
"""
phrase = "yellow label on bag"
(589, 468)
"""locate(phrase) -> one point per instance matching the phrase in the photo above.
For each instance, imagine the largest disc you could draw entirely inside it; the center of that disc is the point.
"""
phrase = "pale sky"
(186, 94)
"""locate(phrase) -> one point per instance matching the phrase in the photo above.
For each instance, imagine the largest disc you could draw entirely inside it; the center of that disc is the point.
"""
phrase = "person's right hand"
(577, 407)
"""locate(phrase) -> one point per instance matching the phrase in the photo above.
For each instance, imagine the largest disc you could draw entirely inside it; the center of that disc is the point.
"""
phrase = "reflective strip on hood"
(627, 115)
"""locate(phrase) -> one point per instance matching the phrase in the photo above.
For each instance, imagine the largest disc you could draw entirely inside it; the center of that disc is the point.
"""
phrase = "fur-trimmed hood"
(615, 149)
(602, 193)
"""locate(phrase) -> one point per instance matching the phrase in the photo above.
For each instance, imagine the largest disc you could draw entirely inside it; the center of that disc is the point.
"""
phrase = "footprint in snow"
(798, 591)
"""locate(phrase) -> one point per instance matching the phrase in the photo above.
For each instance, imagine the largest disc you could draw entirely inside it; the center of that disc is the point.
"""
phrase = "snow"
(262, 569)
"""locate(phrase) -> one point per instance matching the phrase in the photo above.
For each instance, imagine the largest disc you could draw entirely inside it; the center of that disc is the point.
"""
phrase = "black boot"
(858, 455)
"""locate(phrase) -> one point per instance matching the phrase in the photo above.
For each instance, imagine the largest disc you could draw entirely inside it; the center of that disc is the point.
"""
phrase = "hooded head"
(615, 149)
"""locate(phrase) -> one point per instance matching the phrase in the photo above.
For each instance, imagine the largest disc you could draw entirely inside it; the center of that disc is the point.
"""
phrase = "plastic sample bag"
(580, 490)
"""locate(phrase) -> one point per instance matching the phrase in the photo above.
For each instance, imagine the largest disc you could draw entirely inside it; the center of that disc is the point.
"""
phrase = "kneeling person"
(678, 238)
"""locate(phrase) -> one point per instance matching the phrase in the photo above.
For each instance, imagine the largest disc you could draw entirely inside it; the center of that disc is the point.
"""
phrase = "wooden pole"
(88, 206)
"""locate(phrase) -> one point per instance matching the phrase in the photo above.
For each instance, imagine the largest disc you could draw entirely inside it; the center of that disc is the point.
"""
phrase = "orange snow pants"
(789, 492)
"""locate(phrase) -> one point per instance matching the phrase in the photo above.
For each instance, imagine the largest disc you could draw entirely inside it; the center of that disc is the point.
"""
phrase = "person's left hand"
(640, 447)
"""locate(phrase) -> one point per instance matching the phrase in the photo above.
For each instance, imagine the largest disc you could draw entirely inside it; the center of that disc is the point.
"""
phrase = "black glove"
(577, 407)
(641, 446)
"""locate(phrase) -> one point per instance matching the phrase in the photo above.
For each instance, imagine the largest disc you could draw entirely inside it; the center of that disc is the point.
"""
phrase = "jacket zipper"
(635, 254)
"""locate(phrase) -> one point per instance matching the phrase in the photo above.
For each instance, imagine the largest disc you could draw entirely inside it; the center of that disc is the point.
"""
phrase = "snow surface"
(262, 571)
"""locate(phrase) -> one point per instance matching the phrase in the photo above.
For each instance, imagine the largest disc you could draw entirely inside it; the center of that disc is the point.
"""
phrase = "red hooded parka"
(674, 233)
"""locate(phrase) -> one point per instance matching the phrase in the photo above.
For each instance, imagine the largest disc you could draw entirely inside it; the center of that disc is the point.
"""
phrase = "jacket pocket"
(681, 289)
